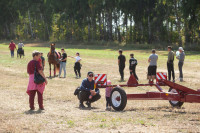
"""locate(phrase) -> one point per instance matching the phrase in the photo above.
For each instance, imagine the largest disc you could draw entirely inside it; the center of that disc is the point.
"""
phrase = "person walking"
(34, 88)
(132, 66)
(152, 66)
(170, 64)
(181, 59)
(63, 61)
(121, 64)
(12, 48)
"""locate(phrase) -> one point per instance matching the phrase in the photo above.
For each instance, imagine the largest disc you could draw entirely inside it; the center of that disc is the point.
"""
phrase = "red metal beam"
(154, 96)
(192, 98)
(180, 87)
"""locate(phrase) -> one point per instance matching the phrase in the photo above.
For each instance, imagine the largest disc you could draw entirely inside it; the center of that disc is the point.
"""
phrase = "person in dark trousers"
(121, 63)
(170, 64)
(77, 65)
(181, 59)
(88, 92)
(43, 61)
(132, 66)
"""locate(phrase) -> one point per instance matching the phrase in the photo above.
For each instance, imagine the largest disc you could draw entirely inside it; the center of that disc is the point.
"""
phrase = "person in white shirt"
(77, 65)
(20, 48)
(20, 45)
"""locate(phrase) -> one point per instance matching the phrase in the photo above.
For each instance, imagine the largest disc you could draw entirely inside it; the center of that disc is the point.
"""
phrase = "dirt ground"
(62, 114)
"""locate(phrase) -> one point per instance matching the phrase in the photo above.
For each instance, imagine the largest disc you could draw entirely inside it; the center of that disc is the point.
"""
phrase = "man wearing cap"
(181, 59)
(152, 66)
(170, 64)
(88, 92)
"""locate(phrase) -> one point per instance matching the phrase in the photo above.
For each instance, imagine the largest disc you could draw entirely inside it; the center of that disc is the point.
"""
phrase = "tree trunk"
(31, 29)
(100, 28)
(110, 25)
(149, 29)
(7, 31)
(178, 22)
(89, 30)
(131, 30)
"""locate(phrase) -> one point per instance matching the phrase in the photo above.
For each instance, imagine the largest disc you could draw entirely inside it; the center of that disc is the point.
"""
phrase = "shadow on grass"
(92, 108)
(30, 112)
(168, 109)
(52, 77)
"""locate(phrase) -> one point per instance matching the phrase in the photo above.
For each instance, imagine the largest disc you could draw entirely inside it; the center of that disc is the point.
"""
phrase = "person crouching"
(88, 92)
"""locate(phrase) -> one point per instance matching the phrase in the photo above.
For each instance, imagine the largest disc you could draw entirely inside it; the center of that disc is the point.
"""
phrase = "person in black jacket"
(88, 92)
(132, 65)
(121, 63)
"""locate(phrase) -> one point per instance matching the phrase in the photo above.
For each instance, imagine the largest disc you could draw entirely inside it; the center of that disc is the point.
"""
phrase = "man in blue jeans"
(181, 59)
(63, 61)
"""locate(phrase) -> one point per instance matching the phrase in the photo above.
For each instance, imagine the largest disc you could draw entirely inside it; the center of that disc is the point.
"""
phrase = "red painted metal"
(132, 82)
(184, 94)
(154, 96)
(180, 87)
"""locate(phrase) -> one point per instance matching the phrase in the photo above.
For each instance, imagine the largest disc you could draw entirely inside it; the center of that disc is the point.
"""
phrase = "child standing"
(108, 92)
(77, 65)
(132, 66)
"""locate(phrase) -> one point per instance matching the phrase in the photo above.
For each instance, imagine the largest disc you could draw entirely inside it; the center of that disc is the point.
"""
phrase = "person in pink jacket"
(108, 92)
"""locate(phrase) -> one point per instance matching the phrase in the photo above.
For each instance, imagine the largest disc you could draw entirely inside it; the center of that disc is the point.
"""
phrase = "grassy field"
(61, 112)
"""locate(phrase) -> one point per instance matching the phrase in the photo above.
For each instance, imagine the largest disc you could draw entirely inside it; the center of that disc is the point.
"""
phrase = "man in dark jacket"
(132, 65)
(121, 63)
(88, 92)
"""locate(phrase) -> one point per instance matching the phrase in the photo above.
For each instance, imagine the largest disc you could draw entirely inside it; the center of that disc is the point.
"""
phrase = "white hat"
(180, 48)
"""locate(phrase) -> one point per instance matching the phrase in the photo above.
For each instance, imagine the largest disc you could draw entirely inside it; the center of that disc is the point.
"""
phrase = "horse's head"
(52, 47)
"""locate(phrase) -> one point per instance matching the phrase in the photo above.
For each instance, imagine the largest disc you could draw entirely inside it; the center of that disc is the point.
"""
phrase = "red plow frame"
(177, 94)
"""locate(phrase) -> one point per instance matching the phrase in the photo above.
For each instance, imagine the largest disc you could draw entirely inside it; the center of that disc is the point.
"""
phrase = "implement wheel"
(175, 103)
(118, 99)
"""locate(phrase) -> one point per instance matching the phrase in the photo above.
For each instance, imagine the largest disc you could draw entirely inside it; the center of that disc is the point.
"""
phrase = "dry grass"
(61, 106)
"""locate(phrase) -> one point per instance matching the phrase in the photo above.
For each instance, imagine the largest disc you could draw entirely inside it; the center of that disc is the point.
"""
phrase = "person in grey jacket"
(181, 59)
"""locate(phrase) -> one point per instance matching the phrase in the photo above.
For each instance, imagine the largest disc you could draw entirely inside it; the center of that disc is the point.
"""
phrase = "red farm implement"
(176, 95)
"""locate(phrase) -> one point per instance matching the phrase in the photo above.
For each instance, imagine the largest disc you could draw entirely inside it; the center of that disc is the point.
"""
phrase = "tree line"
(123, 21)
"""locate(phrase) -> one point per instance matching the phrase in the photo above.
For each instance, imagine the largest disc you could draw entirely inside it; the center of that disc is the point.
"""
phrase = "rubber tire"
(123, 99)
(178, 104)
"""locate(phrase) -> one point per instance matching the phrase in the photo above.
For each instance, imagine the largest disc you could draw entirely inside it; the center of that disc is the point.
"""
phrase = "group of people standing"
(12, 47)
(132, 65)
(152, 68)
(77, 64)
(87, 91)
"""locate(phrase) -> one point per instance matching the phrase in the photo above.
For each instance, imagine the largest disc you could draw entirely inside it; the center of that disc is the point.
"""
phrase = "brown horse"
(53, 58)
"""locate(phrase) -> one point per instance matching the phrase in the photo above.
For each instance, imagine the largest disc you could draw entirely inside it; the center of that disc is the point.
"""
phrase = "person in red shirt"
(34, 88)
(12, 47)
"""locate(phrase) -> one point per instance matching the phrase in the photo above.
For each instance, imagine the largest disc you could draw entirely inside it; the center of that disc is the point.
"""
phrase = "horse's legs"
(50, 69)
(54, 70)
